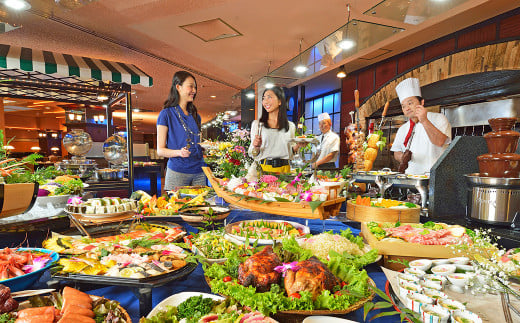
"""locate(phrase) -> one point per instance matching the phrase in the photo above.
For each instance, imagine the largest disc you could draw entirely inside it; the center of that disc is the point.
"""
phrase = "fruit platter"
(67, 306)
(256, 281)
(265, 231)
(24, 266)
(142, 254)
(166, 205)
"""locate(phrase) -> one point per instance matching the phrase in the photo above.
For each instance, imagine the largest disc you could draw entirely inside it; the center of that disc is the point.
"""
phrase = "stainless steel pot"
(492, 199)
(108, 174)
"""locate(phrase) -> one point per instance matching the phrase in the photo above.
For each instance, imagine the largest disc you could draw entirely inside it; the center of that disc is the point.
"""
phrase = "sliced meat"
(75, 318)
(76, 297)
(35, 311)
(72, 308)
(45, 318)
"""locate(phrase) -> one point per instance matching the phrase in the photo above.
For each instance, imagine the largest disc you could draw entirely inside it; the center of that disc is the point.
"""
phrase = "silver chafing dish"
(493, 200)
(385, 178)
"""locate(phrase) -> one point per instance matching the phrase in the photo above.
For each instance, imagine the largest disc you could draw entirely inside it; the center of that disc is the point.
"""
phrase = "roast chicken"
(258, 270)
(313, 276)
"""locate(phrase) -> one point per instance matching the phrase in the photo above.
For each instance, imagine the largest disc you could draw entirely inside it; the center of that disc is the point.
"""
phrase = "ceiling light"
(250, 94)
(346, 44)
(55, 149)
(136, 110)
(72, 116)
(101, 118)
(96, 118)
(341, 72)
(17, 4)
(8, 147)
(54, 135)
(79, 117)
(212, 96)
(102, 97)
(269, 85)
(35, 148)
(300, 69)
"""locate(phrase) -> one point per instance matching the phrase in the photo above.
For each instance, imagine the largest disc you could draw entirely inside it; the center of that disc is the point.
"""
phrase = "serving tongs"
(31, 292)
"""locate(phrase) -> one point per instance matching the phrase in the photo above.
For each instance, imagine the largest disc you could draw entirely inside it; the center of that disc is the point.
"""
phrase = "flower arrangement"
(493, 265)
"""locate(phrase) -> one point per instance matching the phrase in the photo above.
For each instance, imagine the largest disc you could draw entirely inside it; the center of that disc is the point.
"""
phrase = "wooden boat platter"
(326, 210)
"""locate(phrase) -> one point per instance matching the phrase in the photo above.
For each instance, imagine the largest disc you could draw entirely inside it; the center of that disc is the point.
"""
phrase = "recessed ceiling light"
(17, 4)
(212, 96)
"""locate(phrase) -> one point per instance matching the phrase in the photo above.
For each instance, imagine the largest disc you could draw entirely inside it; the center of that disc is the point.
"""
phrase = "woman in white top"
(270, 147)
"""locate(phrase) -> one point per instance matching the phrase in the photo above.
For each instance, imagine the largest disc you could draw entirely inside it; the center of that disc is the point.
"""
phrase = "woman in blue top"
(178, 134)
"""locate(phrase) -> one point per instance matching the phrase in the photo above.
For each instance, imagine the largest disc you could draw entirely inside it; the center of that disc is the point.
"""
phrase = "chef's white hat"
(323, 116)
(407, 88)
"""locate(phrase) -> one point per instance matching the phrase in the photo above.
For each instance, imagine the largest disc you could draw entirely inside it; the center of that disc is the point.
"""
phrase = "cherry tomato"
(226, 279)
(190, 236)
(295, 295)
(343, 284)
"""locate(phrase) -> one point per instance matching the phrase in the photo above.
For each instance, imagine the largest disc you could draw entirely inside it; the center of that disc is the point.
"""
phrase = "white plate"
(177, 299)
(328, 319)
(235, 237)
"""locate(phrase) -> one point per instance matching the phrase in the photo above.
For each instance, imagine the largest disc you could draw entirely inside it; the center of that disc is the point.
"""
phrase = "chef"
(425, 134)
(329, 143)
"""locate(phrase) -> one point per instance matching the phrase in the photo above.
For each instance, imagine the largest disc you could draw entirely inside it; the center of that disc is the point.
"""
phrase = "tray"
(363, 213)
(101, 215)
(228, 231)
(397, 247)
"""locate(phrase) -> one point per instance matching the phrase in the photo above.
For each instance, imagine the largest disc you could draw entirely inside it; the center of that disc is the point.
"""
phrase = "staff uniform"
(329, 143)
(274, 150)
(424, 152)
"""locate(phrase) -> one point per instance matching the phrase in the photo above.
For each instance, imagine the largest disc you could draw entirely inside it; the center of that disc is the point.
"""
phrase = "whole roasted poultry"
(258, 270)
(312, 276)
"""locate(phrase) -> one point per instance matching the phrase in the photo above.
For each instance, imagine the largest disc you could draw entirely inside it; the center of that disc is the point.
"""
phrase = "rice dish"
(321, 244)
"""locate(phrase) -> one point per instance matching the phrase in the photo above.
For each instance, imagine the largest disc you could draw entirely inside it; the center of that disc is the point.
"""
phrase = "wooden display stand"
(363, 213)
(299, 210)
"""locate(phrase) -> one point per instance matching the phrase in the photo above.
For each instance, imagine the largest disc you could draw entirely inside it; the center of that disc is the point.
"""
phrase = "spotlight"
(341, 72)
(54, 135)
(250, 94)
(35, 148)
(136, 110)
(102, 97)
(269, 85)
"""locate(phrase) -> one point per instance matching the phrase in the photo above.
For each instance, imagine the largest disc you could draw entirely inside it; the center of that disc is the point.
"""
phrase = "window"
(330, 103)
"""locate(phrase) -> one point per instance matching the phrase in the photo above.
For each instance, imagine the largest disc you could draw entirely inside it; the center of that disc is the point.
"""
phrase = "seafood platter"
(22, 267)
(101, 207)
(67, 306)
(446, 290)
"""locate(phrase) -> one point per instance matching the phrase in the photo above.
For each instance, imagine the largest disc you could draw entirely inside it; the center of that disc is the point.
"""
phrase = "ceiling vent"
(210, 30)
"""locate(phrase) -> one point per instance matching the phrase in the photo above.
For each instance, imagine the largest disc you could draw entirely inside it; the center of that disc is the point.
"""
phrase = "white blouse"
(274, 142)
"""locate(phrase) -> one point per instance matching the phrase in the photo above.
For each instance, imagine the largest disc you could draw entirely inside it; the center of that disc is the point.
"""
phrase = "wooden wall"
(496, 31)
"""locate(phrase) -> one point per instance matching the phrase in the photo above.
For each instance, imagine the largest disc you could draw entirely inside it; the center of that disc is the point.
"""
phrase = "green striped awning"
(85, 68)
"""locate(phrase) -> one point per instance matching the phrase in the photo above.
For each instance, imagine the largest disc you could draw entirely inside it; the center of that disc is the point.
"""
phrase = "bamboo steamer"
(363, 213)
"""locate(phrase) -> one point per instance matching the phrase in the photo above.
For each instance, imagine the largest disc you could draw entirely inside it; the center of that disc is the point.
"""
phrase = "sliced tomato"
(295, 295)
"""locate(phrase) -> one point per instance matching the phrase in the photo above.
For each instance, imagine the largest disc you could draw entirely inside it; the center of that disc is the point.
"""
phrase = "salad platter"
(240, 278)
(265, 232)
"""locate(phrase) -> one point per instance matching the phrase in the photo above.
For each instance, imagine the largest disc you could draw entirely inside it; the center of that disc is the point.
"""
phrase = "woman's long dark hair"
(283, 123)
(173, 98)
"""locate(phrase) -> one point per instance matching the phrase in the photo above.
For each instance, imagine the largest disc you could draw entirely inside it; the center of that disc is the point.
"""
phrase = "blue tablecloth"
(195, 282)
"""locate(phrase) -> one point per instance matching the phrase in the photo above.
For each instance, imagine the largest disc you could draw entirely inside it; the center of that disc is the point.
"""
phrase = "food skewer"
(356, 105)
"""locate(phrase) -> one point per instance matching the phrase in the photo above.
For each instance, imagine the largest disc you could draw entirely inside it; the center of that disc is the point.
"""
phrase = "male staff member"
(425, 134)
(329, 142)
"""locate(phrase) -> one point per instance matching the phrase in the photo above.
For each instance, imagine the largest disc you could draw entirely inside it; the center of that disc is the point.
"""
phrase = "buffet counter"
(129, 298)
